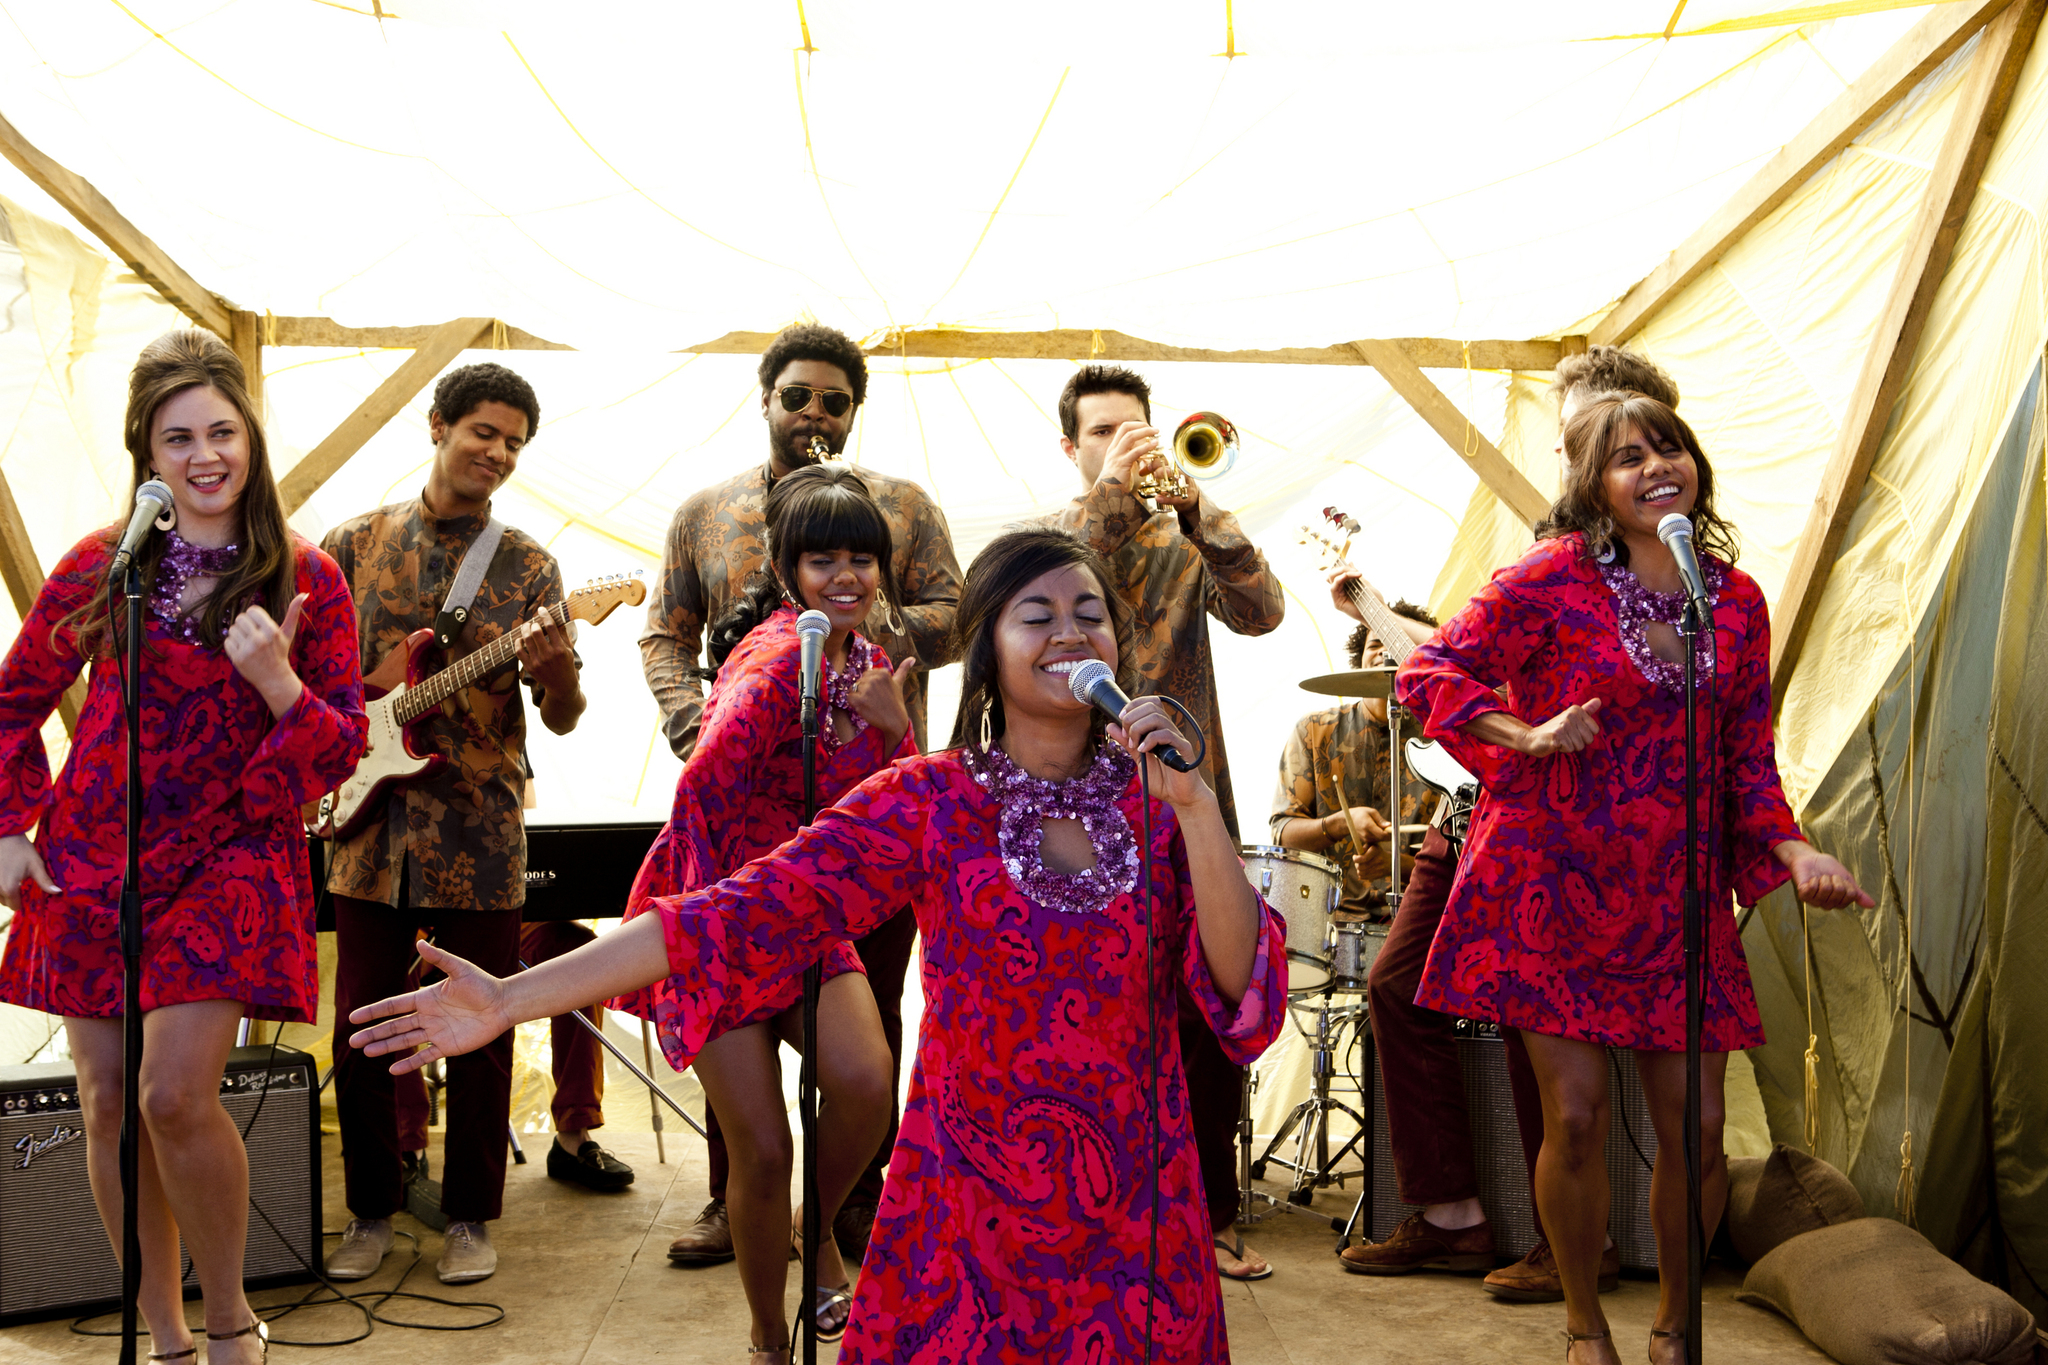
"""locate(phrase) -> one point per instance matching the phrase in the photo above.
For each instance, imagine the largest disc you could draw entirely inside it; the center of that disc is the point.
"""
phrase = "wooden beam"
(245, 337)
(23, 574)
(1508, 483)
(439, 347)
(121, 237)
(1080, 343)
(1980, 111)
(1904, 65)
(327, 332)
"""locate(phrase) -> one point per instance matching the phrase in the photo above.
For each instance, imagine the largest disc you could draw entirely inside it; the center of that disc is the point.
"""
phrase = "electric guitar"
(1427, 759)
(402, 697)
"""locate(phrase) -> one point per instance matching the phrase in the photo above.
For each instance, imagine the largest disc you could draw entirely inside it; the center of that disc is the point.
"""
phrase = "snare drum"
(1304, 888)
(1352, 950)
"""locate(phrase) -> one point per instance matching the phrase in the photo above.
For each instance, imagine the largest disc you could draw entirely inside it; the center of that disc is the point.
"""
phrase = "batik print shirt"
(1176, 572)
(459, 834)
(1344, 742)
(719, 539)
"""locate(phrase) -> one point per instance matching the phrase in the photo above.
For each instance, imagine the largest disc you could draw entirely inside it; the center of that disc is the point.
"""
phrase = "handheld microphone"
(1095, 685)
(1676, 533)
(811, 627)
(152, 500)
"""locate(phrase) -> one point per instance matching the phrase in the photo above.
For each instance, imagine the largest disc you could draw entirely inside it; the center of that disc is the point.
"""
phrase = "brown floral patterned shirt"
(1176, 572)
(1345, 741)
(719, 539)
(459, 834)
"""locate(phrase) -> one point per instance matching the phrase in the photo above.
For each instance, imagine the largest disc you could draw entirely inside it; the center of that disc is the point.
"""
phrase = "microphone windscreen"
(813, 622)
(1083, 680)
(1674, 524)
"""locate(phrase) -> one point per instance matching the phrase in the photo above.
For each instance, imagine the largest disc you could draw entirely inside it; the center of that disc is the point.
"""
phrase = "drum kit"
(1328, 961)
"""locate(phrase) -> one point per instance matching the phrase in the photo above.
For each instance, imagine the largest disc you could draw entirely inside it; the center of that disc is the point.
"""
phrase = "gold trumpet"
(1204, 447)
(819, 450)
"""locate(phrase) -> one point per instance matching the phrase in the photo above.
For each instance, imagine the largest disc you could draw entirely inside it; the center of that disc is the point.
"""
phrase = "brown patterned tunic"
(1176, 572)
(1345, 739)
(719, 539)
(460, 834)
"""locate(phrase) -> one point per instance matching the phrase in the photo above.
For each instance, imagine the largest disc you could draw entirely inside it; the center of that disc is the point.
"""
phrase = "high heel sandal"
(1572, 1338)
(1676, 1334)
(772, 1352)
(259, 1327)
(191, 1350)
(824, 1298)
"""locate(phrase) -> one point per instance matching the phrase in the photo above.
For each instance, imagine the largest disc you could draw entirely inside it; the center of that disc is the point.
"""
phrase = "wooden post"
(23, 574)
(442, 345)
(245, 335)
(1508, 483)
(1980, 111)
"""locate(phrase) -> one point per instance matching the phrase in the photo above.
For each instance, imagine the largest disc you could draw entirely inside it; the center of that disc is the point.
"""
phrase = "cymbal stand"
(1309, 1121)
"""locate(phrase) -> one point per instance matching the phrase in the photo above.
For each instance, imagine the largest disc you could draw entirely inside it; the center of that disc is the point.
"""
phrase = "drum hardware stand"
(1309, 1121)
(1249, 1200)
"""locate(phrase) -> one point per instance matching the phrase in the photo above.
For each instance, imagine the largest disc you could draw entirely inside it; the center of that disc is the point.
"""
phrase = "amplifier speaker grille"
(54, 1256)
(1503, 1173)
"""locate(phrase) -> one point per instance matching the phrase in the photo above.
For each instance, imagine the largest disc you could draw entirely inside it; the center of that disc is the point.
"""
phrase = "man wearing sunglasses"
(812, 381)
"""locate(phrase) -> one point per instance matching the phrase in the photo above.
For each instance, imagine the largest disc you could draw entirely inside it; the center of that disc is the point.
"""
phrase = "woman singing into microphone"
(1565, 922)
(1017, 1223)
(739, 796)
(252, 704)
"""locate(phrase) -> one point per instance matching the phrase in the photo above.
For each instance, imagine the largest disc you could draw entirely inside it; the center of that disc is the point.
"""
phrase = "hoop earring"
(169, 519)
(987, 709)
(1605, 554)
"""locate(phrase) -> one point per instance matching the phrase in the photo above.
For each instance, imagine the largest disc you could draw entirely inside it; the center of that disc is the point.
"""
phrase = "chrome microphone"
(811, 627)
(152, 500)
(1094, 685)
(1675, 531)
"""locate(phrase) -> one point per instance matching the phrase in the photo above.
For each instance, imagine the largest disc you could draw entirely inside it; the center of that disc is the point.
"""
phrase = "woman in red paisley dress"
(741, 795)
(1024, 1218)
(252, 704)
(1565, 919)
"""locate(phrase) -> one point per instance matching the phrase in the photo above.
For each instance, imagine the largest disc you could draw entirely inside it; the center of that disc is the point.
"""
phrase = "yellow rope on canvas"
(1812, 1038)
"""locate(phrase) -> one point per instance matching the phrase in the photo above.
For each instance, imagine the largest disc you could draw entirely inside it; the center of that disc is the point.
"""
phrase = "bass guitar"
(1427, 759)
(402, 695)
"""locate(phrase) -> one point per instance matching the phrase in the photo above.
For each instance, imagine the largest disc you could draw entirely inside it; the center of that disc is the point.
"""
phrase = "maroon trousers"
(1427, 1124)
(1215, 1096)
(885, 954)
(578, 1065)
(374, 951)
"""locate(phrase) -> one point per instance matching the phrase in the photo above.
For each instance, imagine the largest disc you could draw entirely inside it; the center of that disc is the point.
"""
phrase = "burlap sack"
(1875, 1292)
(1773, 1199)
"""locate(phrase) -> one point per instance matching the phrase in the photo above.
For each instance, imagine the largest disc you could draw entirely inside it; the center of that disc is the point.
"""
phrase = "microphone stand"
(807, 1071)
(131, 974)
(1690, 626)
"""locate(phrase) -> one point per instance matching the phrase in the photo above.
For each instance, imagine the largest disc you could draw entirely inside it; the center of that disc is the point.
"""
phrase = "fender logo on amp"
(30, 1146)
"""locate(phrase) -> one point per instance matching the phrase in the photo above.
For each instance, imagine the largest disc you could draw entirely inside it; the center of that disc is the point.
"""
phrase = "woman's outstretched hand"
(1821, 881)
(457, 1014)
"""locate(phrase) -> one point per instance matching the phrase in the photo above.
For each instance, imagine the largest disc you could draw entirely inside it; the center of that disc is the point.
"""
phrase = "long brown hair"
(1583, 506)
(266, 571)
(1004, 568)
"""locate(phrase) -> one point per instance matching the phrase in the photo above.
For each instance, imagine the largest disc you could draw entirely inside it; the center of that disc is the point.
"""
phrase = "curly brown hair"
(1613, 369)
(1589, 437)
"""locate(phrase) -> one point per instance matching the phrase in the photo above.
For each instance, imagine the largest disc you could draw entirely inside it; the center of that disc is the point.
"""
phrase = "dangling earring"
(169, 519)
(986, 709)
(1605, 554)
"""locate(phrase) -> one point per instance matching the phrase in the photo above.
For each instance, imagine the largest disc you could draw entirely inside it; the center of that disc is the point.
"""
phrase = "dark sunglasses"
(797, 397)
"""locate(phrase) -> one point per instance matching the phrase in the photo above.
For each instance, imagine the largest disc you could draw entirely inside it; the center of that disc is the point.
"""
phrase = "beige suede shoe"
(467, 1255)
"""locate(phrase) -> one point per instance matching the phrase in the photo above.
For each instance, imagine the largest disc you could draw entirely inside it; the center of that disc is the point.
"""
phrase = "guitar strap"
(469, 577)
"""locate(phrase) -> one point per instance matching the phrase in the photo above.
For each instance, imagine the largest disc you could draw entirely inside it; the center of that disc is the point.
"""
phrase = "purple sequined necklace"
(1635, 606)
(860, 657)
(182, 562)
(1091, 798)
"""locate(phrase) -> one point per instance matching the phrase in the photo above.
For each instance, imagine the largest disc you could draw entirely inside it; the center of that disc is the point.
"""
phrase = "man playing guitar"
(446, 852)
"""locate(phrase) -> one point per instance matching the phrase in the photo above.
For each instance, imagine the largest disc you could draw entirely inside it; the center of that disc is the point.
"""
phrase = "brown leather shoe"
(1533, 1279)
(1418, 1244)
(709, 1240)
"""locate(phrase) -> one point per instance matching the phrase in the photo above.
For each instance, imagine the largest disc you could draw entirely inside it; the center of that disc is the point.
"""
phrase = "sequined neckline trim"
(1635, 606)
(838, 689)
(1092, 798)
(183, 561)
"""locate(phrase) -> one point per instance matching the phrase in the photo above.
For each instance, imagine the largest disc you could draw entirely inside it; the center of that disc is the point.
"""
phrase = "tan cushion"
(1875, 1292)
(1775, 1198)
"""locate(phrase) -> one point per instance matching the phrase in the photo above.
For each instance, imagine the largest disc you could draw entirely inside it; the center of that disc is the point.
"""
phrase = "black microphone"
(1095, 685)
(152, 500)
(1676, 533)
(811, 627)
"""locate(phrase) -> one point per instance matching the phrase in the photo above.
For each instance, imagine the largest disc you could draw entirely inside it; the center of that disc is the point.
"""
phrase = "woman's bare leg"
(1571, 1178)
(853, 1098)
(742, 1076)
(1663, 1076)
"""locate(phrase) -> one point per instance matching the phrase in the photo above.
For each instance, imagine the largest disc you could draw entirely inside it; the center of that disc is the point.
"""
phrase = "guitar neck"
(1384, 622)
(469, 669)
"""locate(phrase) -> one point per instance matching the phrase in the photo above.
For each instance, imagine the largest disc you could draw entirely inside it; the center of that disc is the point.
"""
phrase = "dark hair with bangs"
(814, 341)
(1003, 569)
(1099, 379)
(1583, 506)
(819, 507)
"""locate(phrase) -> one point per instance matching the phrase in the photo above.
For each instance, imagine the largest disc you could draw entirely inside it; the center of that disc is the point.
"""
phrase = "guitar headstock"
(1329, 552)
(600, 597)
(1342, 520)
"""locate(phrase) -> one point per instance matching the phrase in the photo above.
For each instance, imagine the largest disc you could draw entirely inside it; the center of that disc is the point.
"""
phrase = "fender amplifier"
(54, 1255)
(1497, 1153)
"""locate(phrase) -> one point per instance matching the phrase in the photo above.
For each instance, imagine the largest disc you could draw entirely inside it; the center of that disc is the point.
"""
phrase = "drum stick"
(1337, 772)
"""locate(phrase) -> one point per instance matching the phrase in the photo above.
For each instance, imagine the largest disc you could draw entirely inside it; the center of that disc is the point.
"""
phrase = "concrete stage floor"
(584, 1281)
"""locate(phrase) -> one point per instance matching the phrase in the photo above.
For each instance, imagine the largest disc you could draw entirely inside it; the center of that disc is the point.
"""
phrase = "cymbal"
(1359, 682)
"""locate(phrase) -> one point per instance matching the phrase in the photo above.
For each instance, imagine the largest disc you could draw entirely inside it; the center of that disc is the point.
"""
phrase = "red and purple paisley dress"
(227, 904)
(1566, 915)
(741, 793)
(1014, 1225)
